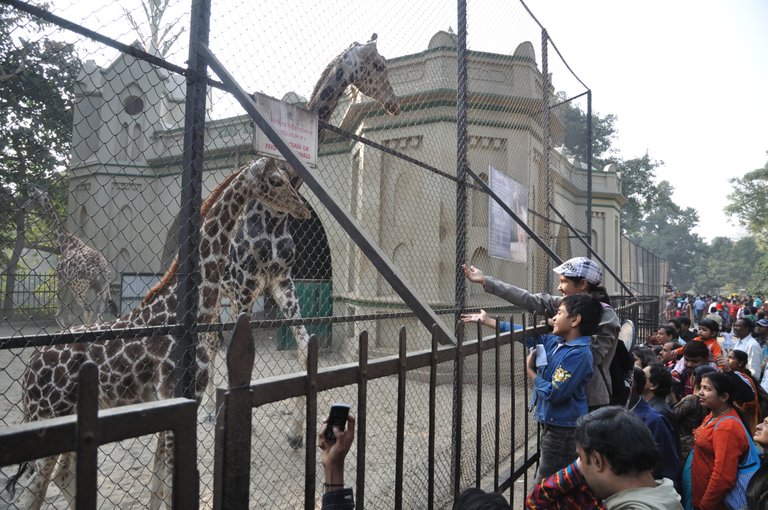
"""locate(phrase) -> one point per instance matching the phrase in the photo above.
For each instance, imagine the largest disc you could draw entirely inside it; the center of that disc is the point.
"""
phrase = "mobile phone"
(337, 417)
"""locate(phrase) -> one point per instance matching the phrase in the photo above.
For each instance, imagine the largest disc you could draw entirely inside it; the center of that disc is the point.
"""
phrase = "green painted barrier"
(315, 300)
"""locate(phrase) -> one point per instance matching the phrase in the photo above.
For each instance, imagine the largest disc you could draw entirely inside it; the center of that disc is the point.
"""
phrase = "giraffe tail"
(10, 485)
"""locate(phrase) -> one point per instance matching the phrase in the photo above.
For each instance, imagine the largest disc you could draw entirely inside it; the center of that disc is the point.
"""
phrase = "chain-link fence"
(98, 159)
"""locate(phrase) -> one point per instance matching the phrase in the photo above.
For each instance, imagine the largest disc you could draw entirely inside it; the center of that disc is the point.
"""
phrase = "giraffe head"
(369, 74)
(361, 66)
(36, 196)
(274, 188)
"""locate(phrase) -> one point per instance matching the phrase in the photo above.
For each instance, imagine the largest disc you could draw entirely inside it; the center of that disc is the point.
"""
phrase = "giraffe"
(262, 250)
(79, 268)
(141, 370)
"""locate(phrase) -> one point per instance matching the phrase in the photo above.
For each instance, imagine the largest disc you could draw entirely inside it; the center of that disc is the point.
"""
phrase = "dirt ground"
(277, 471)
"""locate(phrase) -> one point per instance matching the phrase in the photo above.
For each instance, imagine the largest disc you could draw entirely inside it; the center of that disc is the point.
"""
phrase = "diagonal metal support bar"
(350, 225)
(544, 246)
(591, 250)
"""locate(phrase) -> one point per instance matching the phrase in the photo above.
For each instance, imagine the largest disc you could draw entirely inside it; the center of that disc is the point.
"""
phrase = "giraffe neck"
(328, 90)
(219, 215)
(63, 237)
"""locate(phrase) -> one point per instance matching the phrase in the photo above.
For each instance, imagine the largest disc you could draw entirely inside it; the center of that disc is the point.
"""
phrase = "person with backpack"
(578, 275)
(720, 444)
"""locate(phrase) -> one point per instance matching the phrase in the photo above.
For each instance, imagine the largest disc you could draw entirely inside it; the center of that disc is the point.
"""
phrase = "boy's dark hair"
(621, 437)
(661, 377)
(670, 331)
(711, 325)
(596, 291)
(588, 307)
(477, 499)
(696, 349)
(685, 321)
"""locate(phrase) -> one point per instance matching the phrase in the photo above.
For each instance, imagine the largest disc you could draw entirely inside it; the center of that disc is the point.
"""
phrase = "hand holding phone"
(336, 418)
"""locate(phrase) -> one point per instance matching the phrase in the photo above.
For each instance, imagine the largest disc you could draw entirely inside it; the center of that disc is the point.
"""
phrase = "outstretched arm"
(482, 317)
(333, 453)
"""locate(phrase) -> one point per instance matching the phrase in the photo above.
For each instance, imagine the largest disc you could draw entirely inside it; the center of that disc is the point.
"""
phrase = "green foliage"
(37, 77)
(748, 202)
(664, 228)
(759, 282)
(729, 266)
(637, 185)
(603, 132)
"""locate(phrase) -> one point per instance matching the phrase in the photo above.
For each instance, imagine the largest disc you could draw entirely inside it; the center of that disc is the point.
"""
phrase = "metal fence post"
(461, 238)
(233, 427)
(87, 437)
(589, 170)
(547, 142)
(191, 198)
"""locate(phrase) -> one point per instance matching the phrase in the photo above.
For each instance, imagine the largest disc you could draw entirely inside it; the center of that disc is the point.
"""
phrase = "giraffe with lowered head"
(80, 267)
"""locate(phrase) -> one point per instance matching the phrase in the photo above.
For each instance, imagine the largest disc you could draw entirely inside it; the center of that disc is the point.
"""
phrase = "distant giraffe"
(262, 251)
(80, 267)
(141, 370)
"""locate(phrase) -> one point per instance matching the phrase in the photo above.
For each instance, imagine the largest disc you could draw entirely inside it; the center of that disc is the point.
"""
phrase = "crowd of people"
(686, 434)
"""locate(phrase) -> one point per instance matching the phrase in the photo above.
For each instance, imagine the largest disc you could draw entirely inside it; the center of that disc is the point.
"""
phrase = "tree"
(749, 200)
(156, 36)
(637, 176)
(36, 99)
(575, 123)
(665, 229)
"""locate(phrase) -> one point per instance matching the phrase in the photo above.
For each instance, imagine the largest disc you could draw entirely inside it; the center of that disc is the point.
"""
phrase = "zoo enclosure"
(424, 211)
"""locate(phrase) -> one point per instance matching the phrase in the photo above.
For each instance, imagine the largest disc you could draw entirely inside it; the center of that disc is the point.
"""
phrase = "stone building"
(125, 175)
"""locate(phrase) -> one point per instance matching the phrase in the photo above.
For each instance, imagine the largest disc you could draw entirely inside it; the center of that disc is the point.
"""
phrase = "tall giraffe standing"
(141, 370)
(262, 251)
(80, 267)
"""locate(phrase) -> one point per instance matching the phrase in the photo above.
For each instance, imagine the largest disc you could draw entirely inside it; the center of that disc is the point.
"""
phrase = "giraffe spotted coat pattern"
(141, 370)
(263, 251)
(80, 267)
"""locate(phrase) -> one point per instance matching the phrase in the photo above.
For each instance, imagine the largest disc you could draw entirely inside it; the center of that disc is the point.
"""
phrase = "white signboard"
(507, 240)
(297, 126)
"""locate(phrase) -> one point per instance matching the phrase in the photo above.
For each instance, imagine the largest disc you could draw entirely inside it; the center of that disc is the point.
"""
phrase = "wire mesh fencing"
(93, 177)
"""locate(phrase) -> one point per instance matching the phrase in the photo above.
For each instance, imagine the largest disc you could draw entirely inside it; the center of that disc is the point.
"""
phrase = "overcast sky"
(688, 80)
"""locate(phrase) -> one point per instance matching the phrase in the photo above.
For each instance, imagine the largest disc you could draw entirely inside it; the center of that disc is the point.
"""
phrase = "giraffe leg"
(284, 293)
(65, 477)
(212, 341)
(102, 295)
(162, 473)
(105, 299)
(33, 492)
(61, 305)
(241, 301)
(79, 288)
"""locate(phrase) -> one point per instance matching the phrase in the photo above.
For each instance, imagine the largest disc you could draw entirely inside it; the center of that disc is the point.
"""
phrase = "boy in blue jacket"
(560, 379)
